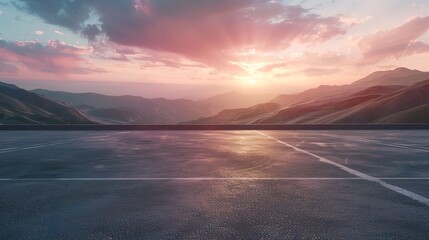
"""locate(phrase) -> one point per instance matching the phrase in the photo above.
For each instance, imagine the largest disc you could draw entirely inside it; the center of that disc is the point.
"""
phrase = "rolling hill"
(362, 107)
(139, 110)
(231, 99)
(18, 106)
(348, 104)
(237, 116)
(145, 111)
(398, 76)
(397, 96)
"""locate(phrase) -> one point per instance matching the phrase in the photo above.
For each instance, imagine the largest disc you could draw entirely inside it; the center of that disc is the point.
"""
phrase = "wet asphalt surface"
(212, 185)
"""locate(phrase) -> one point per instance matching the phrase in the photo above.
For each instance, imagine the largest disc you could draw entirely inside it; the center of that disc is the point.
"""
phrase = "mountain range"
(18, 106)
(139, 110)
(395, 96)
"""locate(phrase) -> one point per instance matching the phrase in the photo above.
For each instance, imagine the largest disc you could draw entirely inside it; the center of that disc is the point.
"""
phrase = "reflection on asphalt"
(211, 184)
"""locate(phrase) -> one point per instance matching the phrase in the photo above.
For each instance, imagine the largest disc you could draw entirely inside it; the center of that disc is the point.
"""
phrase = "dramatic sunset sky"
(194, 48)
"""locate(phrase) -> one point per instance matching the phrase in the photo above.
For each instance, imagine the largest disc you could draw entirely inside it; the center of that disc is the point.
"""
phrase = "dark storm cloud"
(66, 13)
(91, 31)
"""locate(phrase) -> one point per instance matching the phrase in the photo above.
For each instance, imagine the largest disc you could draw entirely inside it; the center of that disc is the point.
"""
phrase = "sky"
(195, 48)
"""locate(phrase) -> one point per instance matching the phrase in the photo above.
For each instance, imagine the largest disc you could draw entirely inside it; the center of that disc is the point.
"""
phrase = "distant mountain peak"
(397, 76)
(19, 106)
(403, 70)
(8, 85)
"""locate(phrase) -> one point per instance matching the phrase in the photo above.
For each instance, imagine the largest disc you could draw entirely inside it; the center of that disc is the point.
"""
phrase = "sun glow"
(251, 81)
(252, 74)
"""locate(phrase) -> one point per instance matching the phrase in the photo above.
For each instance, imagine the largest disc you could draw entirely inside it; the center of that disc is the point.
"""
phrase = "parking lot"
(214, 184)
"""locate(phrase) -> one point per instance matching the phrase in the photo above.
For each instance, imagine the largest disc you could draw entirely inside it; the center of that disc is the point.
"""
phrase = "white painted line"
(5, 149)
(362, 175)
(203, 179)
(35, 146)
(16, 149)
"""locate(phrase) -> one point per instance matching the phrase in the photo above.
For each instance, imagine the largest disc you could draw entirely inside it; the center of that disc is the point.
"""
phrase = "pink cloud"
(320, 71)
(396, 42)
(327, 58)
(271, 67)
(54, 57)
(416, 47)
(207, 31)
(210, 35)
(8, 68)
(160, 62)
(312, 72)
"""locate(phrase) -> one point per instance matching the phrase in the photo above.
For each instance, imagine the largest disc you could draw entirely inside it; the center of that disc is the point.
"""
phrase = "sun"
(252, 74)
(251, 81)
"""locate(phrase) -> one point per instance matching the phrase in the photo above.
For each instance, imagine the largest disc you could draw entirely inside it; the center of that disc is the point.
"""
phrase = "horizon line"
(114, 127)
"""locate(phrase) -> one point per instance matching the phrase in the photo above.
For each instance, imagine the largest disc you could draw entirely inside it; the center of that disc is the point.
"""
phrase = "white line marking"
(362, 175)
(16, 149)
(201, 179)
(35, 146)
(10, 148)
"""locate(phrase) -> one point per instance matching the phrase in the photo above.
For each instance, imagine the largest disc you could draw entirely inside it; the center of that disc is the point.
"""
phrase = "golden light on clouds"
(264, 45)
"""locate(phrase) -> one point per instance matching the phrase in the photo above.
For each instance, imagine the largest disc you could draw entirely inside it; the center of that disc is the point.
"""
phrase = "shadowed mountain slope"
(237, 116)
(140, 110)
(374, 104)
(18, 106)
(418, 114)
(398, 76)
(397, 96)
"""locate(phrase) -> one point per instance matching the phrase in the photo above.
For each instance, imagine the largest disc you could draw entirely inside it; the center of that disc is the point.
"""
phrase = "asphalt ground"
(214, 184)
